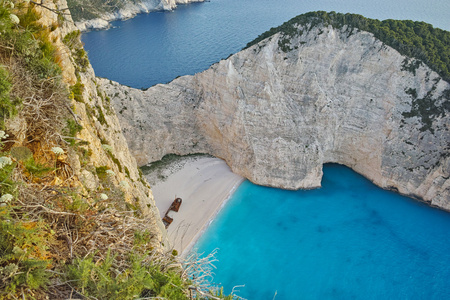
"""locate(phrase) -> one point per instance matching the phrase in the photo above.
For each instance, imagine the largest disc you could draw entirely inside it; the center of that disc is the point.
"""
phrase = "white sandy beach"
(204, 184)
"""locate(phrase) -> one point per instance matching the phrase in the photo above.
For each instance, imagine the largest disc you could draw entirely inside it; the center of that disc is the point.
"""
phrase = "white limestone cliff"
(276, 117)
(129, 11)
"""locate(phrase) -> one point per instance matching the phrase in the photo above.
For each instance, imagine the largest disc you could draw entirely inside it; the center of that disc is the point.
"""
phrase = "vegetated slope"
(413, 39)
(77, 219)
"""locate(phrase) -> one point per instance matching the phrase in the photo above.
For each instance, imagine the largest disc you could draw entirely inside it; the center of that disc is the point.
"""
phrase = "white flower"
(3, 135)
(104, 196)
(18, 250)
(6, 198)
(10, 270)
(110, 172)
(58, 150)
(5, 161)
(107, 147)
(14, 19)
(124, 184)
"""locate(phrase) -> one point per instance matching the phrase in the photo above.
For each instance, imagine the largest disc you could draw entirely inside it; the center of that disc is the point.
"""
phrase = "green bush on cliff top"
(414, 39)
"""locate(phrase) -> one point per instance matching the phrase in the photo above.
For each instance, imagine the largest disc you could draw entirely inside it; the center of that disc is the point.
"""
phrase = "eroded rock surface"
(276, 117)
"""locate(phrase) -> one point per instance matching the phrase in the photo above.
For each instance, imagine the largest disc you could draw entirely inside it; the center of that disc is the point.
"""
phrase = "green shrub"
(36, 169)
(83, 153)
(115, 160)
(101, 171)
(77, 204)
(34, 45)
(71, 132)
(101, 117)
(23, 254)
(425, 108)
(141, 238)
(5, 21)
(72, 128)
(21, 153)
(81, 59)
(72, 40)
(7, 107)
(101, 279)
(7, 186)
(77, 91)
(413, 39)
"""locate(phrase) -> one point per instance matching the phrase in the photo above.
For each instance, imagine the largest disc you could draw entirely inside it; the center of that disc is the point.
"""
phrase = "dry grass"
(43, 104)
(82, 226)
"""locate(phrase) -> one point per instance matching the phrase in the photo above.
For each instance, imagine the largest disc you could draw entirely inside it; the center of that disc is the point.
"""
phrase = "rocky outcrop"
(100, 139)
(127, 10)
(276, 117)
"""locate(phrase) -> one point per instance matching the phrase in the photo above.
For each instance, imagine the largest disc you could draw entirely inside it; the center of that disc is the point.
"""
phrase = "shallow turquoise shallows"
(346, 240)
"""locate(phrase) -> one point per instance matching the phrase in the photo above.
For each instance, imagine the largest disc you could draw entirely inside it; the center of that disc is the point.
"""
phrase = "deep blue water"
(347, 240)
(157, 47)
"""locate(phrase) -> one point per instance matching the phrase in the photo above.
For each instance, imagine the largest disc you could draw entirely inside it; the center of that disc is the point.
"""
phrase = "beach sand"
(204, 184)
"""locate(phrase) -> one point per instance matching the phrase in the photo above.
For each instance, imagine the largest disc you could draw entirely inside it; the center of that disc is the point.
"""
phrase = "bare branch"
(56, 11)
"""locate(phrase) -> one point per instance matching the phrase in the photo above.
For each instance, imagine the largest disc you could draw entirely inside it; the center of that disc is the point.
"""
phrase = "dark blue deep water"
(347, 240)
(157, 47)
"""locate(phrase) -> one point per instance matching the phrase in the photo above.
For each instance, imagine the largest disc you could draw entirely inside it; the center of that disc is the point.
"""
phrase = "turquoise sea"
(347, 240)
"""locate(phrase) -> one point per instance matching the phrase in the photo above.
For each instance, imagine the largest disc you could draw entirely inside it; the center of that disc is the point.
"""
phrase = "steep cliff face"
(93, 14)
(100, 138)
(277, 115)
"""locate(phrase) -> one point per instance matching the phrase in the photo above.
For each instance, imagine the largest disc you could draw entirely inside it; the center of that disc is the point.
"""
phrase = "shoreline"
(190, 246)
(204, 183)
(131, 10)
